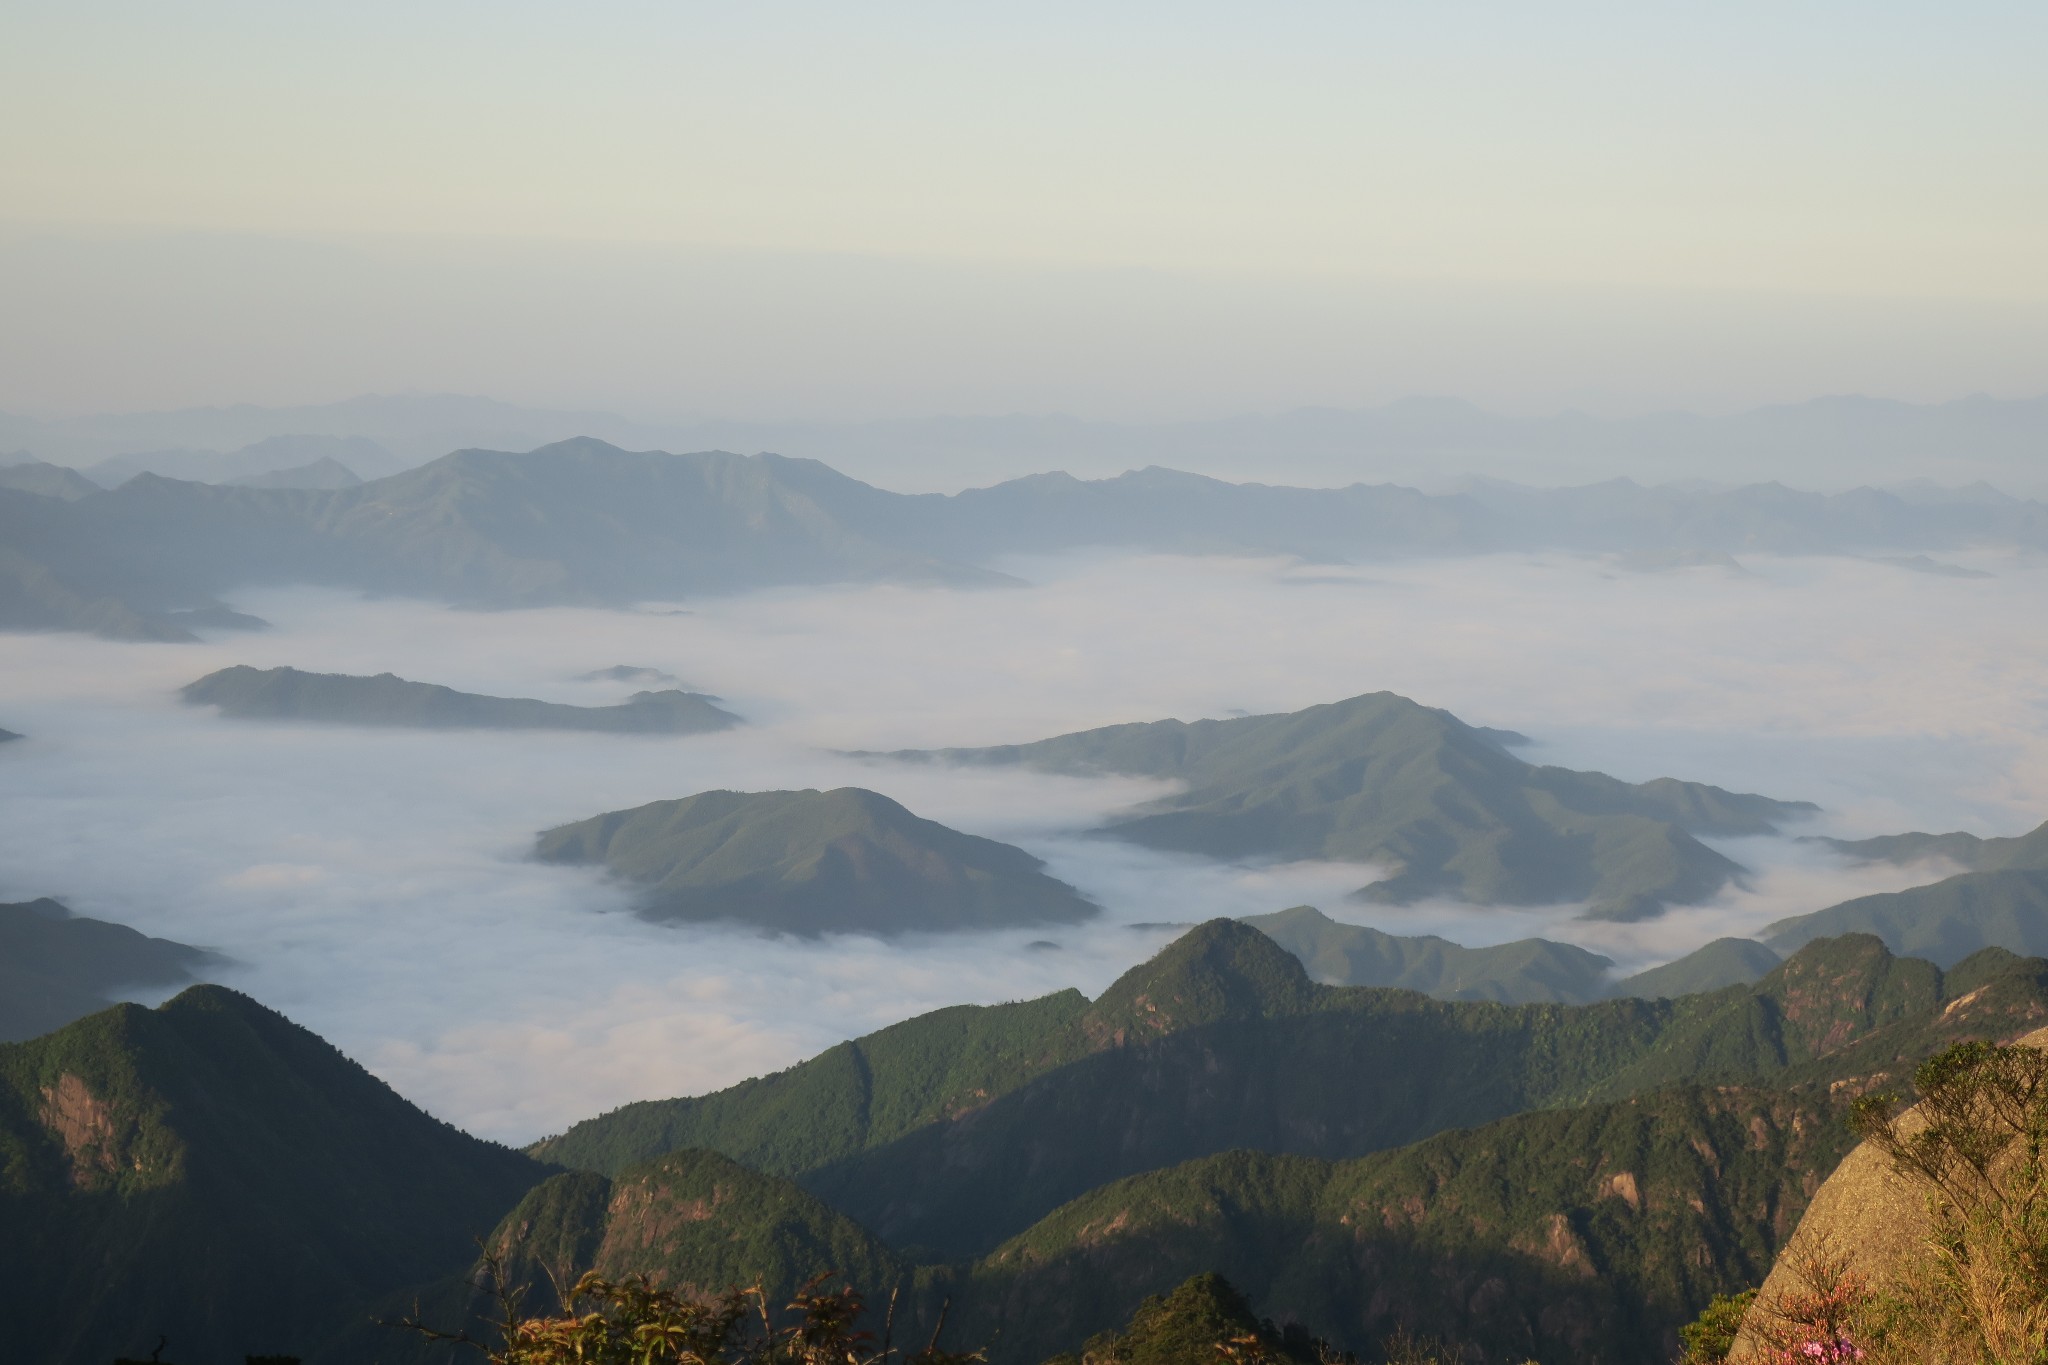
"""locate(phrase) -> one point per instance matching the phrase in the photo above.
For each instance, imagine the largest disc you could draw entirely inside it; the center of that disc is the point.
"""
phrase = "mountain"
(1585, 1235)
(951, 1132)
(210, 1172)
(812, 862)
(1516, 973)
(247, 693)
(1200, 1319)
(1523, 972)
(1824, 441)
(1724, 962)
(6, 735)
(690, 1219)
(254, 462)
(1943, 922)
(1444, 808)
(49, 480)
(325, 472)
(56, 967)
(583, 522)
(2027, 852)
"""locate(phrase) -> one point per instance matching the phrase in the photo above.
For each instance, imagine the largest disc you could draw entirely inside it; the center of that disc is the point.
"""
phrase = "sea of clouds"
(373, 884)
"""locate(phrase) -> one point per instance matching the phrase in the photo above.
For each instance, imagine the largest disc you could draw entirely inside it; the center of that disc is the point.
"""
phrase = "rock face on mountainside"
(1444, 807)
(812, 862)
(211, 1173)
(1865, 1213)
(691, 1219)
(247, 693)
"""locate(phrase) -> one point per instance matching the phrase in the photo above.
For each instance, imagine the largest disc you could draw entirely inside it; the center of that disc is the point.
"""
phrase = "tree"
(1974, 1145)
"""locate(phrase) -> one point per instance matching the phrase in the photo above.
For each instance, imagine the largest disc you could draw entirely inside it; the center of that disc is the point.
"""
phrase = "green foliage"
(690, 1219)
(1381, 779)
(1203, 1321)
(289, 694)
(631, 1321)
(812, 862)
(955, 1130)
(225, 1178)
(1566, 1236)
(1708, 1338)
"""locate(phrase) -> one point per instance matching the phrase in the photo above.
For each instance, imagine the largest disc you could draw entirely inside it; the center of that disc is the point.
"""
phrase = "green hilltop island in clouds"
(814, 862)
(246, 693)
(1444, 806)
(1560, 1183)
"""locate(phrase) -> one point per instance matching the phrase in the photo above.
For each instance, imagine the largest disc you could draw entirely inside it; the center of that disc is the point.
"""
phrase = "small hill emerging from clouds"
(812, 862)
(1442, 805)
(56, 967)
(247, 693)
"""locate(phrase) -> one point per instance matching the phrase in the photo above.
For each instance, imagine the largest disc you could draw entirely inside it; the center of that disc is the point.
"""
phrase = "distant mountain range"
(1444, 807)
(585, 522)
(56, 966)
(812, 862)
(1882, 441)
(246, 693)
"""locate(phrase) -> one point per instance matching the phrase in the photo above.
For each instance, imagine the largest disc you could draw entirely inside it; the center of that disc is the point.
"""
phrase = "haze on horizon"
(1132, 213)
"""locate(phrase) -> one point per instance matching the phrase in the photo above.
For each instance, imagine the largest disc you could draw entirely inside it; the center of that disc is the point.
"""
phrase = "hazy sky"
(1601, 202)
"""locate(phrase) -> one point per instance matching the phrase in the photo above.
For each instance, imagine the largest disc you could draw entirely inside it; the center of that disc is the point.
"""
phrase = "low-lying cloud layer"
(373, 884)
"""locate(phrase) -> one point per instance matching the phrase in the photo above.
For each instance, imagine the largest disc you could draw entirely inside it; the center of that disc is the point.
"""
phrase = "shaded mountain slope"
(1586, 1235)
(691, 1219)
(56, 967)
(1222, 1041)
(247, 693)
(1445, 808)
(1943, 922)
(812, 862)
(214, 1173)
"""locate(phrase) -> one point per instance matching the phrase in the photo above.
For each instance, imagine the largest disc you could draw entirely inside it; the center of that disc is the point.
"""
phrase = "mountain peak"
(1219, 969)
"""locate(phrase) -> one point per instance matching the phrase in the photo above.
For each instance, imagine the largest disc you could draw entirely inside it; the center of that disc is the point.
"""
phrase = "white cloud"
(372, 884)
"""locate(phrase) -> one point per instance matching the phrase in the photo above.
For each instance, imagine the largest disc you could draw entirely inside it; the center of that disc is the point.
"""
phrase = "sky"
(1120, 210)
(375, 885)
